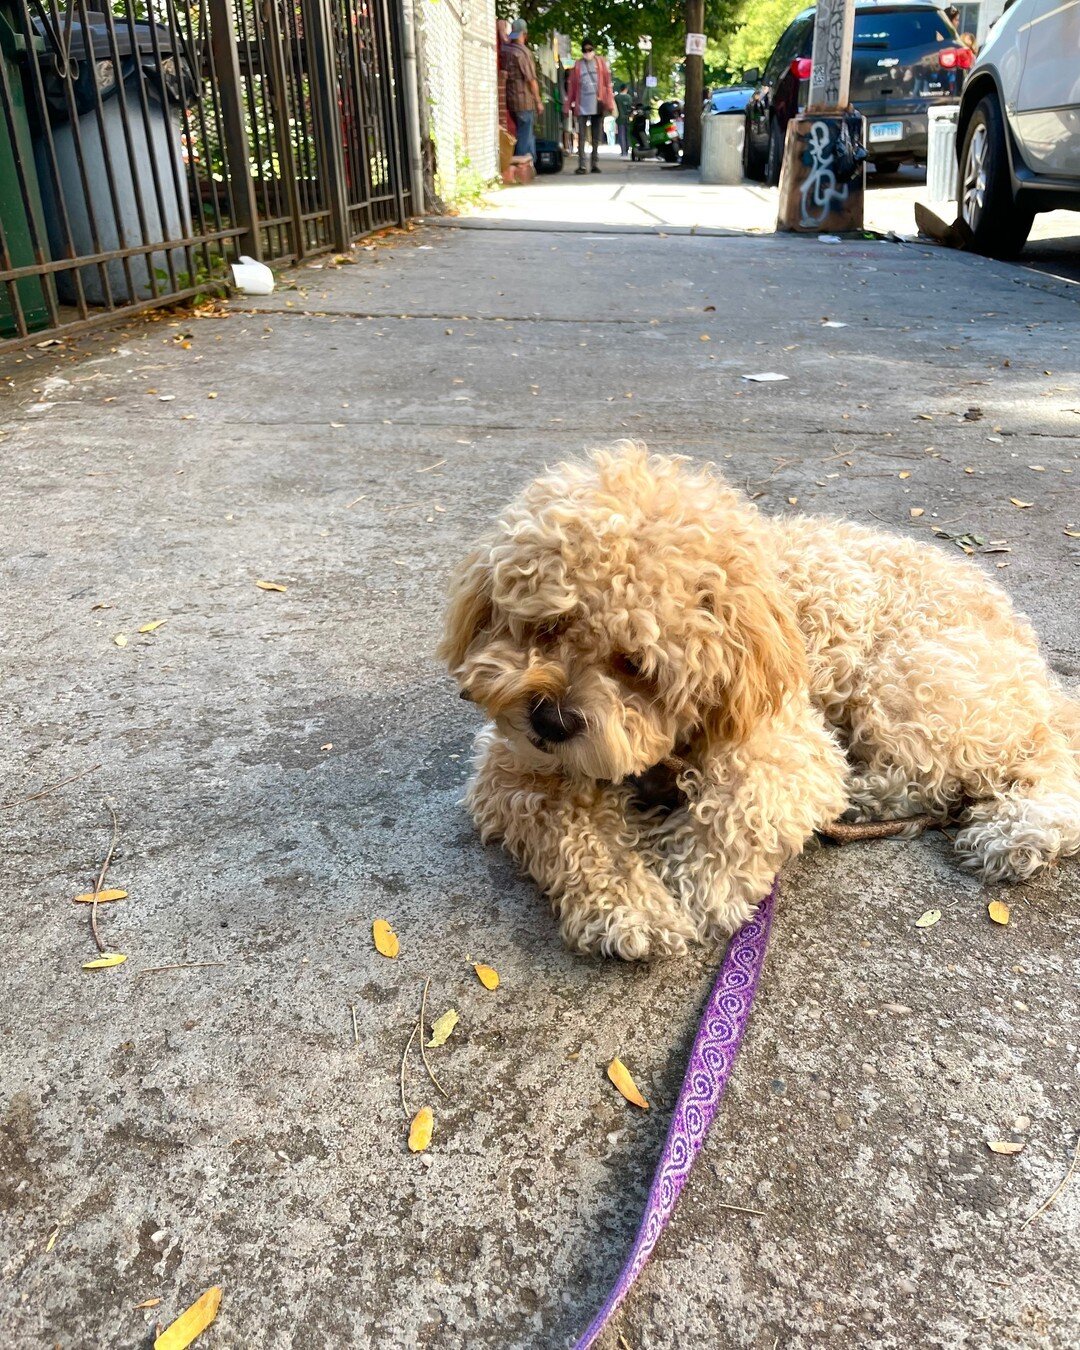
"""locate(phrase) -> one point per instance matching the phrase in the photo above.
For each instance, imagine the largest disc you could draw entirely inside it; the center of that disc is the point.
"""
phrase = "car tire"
(883, 166)
(775, 161)
(997, 223)
(753, 166)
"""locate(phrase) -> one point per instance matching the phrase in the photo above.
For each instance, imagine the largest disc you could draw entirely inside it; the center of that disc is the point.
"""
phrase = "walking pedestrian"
(592, 99)
(522, 92)
(623, 106)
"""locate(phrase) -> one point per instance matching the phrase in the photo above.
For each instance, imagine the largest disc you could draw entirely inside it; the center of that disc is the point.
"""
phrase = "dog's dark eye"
(626, 666)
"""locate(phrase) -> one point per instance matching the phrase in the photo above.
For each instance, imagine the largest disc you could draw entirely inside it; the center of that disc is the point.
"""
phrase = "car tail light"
(956, 58)
(801, 67)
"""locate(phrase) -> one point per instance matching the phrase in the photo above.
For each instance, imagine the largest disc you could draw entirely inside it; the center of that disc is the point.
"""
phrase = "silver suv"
(1018, 137)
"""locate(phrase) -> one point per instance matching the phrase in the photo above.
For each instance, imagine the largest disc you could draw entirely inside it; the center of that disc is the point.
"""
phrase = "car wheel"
(882, 166)
(775, 161)
(998, 224)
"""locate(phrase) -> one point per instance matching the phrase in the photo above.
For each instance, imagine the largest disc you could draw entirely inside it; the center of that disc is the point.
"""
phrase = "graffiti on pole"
(830, 73)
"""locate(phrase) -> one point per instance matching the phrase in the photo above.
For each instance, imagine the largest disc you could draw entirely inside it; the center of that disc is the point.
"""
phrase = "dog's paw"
(630, 934)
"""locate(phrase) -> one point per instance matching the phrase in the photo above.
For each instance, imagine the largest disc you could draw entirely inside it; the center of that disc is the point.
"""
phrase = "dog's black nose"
(553, 722)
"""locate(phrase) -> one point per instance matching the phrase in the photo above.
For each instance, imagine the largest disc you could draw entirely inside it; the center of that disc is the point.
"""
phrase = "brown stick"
(101, 877)
(34, 796)
(843, 833)
(1056, 1191)
(179, 965)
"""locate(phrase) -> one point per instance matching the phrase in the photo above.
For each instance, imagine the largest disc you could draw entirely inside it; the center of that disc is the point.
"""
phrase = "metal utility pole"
(695, 82)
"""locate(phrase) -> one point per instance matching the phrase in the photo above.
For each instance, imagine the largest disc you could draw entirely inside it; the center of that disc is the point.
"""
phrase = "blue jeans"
(526, 142)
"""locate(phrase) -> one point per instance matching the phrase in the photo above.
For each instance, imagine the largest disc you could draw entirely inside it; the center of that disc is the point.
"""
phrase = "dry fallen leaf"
(905, 474)
(998, 911)
(1017, 502)
(928, 918)
(1003, 1146)
(620, 1076)
(52, 1239)
(1073, 534)
(386, 941)
(271, 586)
(916, 512)
(423, 1123)
(441, 1029)
(488, 976)
(793, 501)
(103, 897)
(120, 640)
(152, 627)
(147, 1303)
(189, 1324)
(104, 961)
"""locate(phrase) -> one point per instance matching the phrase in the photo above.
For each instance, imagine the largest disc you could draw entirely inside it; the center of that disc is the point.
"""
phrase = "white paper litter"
(829, 239)
(253, 278)
(766, 377)
(833, 323)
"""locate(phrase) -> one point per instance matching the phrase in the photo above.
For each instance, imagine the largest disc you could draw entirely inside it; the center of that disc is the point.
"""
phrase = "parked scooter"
(659, 138)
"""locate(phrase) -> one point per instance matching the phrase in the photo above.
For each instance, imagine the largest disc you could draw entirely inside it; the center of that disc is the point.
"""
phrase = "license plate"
(886, 131)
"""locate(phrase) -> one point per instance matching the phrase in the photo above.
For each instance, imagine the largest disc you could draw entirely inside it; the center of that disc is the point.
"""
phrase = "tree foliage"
(749, 38)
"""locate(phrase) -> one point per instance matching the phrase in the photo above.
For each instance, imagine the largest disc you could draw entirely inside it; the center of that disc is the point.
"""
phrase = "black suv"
(905, 56)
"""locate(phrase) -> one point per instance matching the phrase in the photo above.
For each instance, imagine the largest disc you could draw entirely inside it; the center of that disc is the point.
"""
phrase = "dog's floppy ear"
(763, 659)
(470, 608)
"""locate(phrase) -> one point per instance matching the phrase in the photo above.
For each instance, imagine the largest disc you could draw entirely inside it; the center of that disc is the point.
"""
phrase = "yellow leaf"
(1003, 1146)
(386, 942)
(147, 1303)
(905, 474)
(189, 1324)
(793, 501)
(915, 512)
(152, 627)
(120, 640)
(620, 1076)
(271, 586)
(103, 897)
(1073, 534)
(998, 911)
(441, 1029)
(488, 976)
(423, 1123)
(1017, 502)
(928, 919)
(52, 1238)
(705, 337)
(104, 961)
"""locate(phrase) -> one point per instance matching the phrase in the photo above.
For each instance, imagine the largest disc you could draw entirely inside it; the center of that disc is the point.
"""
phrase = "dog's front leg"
(576, 843)
(749, 809)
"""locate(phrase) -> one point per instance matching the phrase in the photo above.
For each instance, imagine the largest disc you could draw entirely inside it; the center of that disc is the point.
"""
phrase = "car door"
(1047, 112)
(759, 109)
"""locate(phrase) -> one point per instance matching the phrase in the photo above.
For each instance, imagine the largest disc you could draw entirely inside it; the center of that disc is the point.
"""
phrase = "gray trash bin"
(941, 170)
(722, 147)
(119, 152)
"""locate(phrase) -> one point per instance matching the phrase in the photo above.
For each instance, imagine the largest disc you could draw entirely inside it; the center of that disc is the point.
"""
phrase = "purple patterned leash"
(715, 1047)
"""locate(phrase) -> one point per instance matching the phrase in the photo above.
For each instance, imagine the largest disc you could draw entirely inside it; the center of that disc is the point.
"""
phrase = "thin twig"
(740, 1209)
(34, 796)
(404, 1061)
(428, 467)
(179, 965)
(1057, 1189)
(361, 498)
(841, 832)
(423, 1052)
(101, 877)
(355, 1033)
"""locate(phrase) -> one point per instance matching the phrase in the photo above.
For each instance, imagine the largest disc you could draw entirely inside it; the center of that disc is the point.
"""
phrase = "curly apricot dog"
(681, 690)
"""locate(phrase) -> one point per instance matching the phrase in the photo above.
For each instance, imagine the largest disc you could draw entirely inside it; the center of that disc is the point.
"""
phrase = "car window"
(890, 30)
(785, 51)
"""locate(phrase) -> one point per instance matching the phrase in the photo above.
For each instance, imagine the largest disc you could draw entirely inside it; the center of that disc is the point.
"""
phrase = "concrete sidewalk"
(286, 766)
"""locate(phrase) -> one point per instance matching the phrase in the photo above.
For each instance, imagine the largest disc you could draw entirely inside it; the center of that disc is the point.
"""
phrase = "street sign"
(651, 81)
(695, 44)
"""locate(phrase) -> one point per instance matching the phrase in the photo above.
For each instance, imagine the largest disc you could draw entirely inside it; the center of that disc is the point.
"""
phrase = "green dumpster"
(16, 150)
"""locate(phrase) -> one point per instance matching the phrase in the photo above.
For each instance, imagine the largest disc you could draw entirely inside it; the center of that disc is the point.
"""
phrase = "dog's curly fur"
(787, 669)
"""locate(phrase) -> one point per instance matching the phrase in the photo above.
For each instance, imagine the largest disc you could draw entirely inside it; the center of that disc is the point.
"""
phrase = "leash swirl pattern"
(715, 1047)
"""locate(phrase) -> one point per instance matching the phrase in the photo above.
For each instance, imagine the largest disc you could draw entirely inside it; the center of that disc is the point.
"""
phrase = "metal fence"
(145, 147)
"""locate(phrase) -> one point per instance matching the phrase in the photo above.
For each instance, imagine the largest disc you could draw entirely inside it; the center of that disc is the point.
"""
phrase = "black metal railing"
(144, 147)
